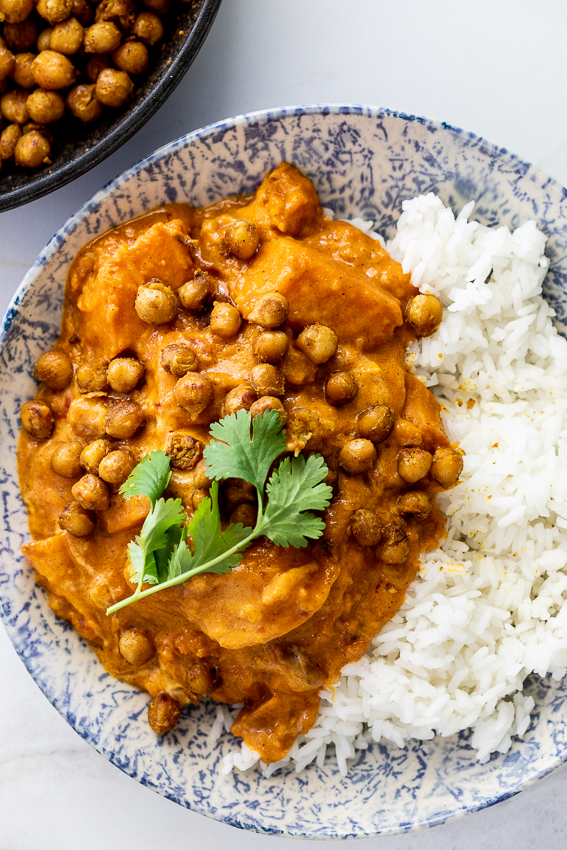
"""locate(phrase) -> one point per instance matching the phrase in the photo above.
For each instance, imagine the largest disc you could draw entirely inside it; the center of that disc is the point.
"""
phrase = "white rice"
(487, 608)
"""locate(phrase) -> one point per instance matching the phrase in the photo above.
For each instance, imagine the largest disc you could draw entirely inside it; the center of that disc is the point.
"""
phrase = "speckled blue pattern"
(364, 162)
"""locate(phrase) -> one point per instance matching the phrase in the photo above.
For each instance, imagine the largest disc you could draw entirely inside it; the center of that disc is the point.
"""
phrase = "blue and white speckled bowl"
(366, 162)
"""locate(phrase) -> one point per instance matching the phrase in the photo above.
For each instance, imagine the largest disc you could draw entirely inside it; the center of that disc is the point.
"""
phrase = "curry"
(172, 321)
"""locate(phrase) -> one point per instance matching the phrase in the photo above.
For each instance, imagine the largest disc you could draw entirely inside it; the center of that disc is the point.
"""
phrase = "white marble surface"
(496, 67)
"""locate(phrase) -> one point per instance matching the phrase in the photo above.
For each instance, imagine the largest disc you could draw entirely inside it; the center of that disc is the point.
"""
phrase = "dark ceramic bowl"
(185, 30)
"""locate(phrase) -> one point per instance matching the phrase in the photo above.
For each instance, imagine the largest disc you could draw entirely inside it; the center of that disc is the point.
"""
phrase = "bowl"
(185, 31)
(363, 161)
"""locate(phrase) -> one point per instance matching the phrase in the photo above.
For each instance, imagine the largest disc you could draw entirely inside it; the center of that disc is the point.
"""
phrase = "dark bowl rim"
(129, 125)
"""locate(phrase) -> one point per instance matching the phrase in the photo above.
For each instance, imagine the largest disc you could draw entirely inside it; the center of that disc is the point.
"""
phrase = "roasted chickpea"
(246, 514)
(271, 346)
(200, 478)
(366, 528)
(416, 504)
(132, 57)
(103, 37)
(65, 460)
(38, 419)
(357, 456)
(163, 713)
(376, 423)
(76, 520)
(96, 64)
(193, 392)
(270, 310)
(225, 319)
(92, 455)
(340, 388)
(54, 369)
(13, 106)
(82, 12)
(242, 239)
(84, 104)
(395, 546)
(122, 12)
(124, 374)
(155, 302)
(197, 497)
(136, 647)
(22, 72)
(91, 377)
(237, 491)
(268, 402)
(7, 62)
(413, 464)
(148, 28)
(183, 450)
(267, 380)
(239, 398)
(160, 7)
(424, 313)
(21, 36)
(178, 359)
(45, 107)
(408, 435)
(52, 70)
(55, 10)
(67, 37)
(32, 150)
(114, 88)
(446, 467)
(15, 11)
(44, 39)
(91, 493)
(196, 293)
(124, 419)
(318, 343)
(115, 467)
(8, 140)
(87, 417)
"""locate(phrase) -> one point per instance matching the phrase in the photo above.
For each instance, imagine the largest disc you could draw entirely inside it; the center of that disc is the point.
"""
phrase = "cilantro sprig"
(241, 447)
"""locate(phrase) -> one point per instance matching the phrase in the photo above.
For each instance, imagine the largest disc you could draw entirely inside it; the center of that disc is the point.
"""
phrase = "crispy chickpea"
(67, 37)
(366, 528)
(114, 88)
(124, 373)
(239, 398)
(237, 491)
(413, 464)
(132, 57)
(136, 647)
(77, 520)
(38, 419)
(32, 150)
(340, 388)
(424, 313)
(54, 369)
(267, 380)
(407, 434)
(416, 504)
(96, 64)
(376, 423)
(87, 417)
(65, 460)
(91, 377)
(15, 11)
(124, 419)
(44, 39)
(183, 450)
(122, 12)
(268, 402)
(8, 140)
(395, 546)
(246, 514)
(92, 455)
(200, 478)
(13, 106)
(163, 713)
(318, 343)
(52, 70)
(22, 72)
(155, 302)
(21, 36)
(91, 493)
(446, 467)
(357, 456)
(84, 104)
(160, 7)
(148, 28)
(225, 319)
(45, 107)
(193, 392)
(270, 310)
(82, 12)
(103, 37)
(196, 293)
(242, 239)
(115, 467)
(197, 497)
(178, 359)
(7, 62)
(54, 10)
(271, 346)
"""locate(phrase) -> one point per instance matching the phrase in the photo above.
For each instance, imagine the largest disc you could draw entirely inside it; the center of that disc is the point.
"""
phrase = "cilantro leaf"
(233, 453)
(157, 533)
(149, 478)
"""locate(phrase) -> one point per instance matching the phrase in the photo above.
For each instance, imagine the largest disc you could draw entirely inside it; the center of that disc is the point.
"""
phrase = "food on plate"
(190, 338)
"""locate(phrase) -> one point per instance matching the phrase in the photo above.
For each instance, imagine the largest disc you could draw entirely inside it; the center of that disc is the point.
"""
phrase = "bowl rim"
(492, 150)
(147, 107)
